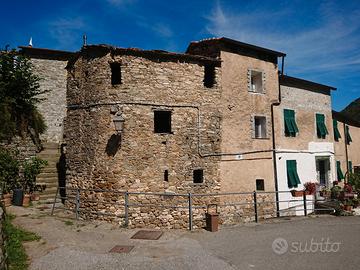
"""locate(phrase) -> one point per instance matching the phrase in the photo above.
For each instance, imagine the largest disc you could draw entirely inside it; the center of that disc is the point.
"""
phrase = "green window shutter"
(347, 135)
(321, 129)
(339, 172)
(337, 135)
(290, 123)
(292, 175)
(350, 166)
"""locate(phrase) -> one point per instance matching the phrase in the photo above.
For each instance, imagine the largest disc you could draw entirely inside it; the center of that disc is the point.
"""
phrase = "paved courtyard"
(324, 242)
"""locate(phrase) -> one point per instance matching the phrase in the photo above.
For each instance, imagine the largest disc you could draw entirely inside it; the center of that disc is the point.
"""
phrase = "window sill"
(265, 138)
(259, 93)
(197, 184)
(164, 133)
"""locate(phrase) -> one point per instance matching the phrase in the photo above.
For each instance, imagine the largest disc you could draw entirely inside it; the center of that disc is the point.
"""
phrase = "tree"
(19, 95)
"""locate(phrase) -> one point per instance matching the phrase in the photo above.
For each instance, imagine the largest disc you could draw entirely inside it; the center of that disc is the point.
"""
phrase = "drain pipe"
(346, 153)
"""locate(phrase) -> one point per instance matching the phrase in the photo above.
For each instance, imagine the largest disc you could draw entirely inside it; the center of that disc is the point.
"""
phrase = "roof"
(304, 84)
(43, 53)
(340, 116)
(157, 55)
(235, 46)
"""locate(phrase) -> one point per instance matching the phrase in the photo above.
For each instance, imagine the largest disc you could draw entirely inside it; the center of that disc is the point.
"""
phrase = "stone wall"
(3, 255)
(53, 106)
(23, 148)
(137, 160)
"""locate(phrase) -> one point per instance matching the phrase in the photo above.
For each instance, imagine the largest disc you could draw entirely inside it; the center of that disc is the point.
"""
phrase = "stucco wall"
(53, 106)
(238, 107)
(353, 148)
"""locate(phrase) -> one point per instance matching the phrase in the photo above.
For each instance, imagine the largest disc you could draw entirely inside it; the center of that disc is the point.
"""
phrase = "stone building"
(347, 145)
(304, 138)
(198, 122)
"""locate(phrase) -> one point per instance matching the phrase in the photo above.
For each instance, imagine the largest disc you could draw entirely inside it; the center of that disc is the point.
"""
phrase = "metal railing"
(79, 201)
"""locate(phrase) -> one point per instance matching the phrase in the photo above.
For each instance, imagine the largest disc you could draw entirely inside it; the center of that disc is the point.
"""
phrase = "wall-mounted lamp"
(119, 123)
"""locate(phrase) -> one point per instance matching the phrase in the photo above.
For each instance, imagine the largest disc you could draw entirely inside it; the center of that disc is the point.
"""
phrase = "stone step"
(52, 174)
(49, 157)
(51, 145)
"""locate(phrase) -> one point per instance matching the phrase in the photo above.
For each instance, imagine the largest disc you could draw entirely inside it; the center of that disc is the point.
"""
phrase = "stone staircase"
(49, 175)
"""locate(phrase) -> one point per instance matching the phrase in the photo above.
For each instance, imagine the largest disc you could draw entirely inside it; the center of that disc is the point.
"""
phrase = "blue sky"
(321, 38)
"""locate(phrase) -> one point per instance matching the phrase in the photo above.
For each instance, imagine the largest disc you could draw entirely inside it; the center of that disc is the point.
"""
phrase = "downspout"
(274, 142)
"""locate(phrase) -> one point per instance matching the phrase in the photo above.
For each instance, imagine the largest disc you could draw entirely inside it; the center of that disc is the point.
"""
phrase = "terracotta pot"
(347, 207)
(26, 200)
(34, 197)
(7, 199)
(297, 193)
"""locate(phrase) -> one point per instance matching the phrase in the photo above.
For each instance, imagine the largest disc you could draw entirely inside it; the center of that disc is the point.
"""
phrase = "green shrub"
(9, 171)
(32, 168)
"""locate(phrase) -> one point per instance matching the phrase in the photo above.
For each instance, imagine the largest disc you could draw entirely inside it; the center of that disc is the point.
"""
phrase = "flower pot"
(26, 200)
(347, 207)
(297, 193)
(18, 197)
(6, 199)
(34, 197)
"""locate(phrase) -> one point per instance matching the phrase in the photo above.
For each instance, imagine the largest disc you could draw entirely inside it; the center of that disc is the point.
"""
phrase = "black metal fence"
(119, 204)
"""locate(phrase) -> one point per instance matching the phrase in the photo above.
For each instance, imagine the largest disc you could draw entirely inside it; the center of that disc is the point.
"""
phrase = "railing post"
(77, 206)
(190, 212)
(255, 207)
(126, 205)
(305, 206)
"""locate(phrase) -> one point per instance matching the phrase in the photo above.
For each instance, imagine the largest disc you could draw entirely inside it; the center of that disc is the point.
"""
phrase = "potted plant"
(325, 192)
(32, 167)
(9, 175)
(355, 202)
(310, 188)
(348, 205)
(347, 192)
(297, 193)
(335, 192)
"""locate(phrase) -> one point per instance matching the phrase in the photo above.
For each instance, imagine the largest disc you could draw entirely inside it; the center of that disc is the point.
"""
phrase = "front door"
(323, 170)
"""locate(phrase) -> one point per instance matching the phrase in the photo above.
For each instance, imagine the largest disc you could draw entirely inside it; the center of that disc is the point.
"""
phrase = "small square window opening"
(198, 176)
(260, 185)
(115, 73)
(209, 76)
(260, 126)
(162, 121)
(256, 83)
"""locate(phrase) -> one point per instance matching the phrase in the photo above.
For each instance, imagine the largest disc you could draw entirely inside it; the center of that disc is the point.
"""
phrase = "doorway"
(323, 170)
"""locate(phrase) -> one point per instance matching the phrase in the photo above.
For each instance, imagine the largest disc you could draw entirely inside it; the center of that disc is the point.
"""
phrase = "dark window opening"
(198, 176)
(209, 76)
(260, 127)
(166, 176)
(162, 121)
(115, 73)
(260, 185)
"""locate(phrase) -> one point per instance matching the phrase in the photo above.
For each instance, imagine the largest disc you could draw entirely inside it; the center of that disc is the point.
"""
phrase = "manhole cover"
(121, 249)
(147, 235)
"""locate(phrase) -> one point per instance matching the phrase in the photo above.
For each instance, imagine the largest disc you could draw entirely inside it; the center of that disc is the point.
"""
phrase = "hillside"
(353, 110)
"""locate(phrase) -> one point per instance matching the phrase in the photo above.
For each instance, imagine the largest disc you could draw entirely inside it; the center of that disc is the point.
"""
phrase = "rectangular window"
(256, 81)
(115, 73)
(337, 135)
(260, 185)
(162, 121)
(209, 76)
(350, 166)
(347, 135)
(321, 129)
(291, 127)
(198, 176)
(260, 126)
(292, 175)
(339, 172)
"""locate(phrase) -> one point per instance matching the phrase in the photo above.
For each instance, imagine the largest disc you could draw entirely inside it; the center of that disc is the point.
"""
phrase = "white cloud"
(332, 43)
(67, 32)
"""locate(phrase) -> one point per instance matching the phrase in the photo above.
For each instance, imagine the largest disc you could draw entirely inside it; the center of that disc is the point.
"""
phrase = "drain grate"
(147, 235)
(121, 249)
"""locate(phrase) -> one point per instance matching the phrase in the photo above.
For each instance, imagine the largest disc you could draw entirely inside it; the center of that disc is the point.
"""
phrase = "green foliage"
(9, 171)
(32, 168)
(19, 95)
(335, 191)
(15, 237)
(353, 110)
(354, 181)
